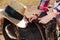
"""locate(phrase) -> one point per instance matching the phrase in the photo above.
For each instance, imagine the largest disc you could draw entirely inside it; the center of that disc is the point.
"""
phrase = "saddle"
(31, 32)
(35, 33)
(32, 29)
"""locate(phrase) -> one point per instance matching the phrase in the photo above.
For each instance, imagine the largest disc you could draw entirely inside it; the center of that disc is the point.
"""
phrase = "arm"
(43, 6)
(48, 17)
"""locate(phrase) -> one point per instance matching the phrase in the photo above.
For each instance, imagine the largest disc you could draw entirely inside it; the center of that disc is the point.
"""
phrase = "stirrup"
(7, 32)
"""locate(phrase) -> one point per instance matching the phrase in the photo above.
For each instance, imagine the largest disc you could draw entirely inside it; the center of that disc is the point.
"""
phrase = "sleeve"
(44, 5)
(58, 8)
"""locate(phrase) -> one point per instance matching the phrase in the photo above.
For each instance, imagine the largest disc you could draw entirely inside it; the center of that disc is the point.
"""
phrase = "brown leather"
(1, 20)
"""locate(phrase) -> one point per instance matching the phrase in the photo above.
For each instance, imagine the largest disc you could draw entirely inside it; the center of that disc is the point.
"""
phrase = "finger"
(30, 19)
(42, 22)
(39, 18)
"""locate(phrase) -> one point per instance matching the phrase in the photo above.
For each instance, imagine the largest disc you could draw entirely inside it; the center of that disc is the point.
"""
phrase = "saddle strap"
(39, 30)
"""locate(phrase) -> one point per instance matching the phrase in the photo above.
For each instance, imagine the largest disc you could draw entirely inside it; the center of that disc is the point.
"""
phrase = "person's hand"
(33, 17)
(55, 12)
(46, 18)
(58, 38)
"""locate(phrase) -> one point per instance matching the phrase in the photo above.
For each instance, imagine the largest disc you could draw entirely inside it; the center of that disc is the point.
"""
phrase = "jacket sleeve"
(44, 5)
(58, 8)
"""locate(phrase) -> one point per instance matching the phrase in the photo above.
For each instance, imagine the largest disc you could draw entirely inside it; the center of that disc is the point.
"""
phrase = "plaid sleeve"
(44, 5)
(57, 8)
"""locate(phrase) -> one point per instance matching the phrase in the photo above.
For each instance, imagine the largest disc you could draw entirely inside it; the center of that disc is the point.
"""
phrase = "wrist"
(36, 15)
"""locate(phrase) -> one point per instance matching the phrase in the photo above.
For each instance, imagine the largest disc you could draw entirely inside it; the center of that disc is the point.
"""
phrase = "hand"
(58, 38)
(33, 17)
(43, 20)
(46, 18)
(55, 12)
